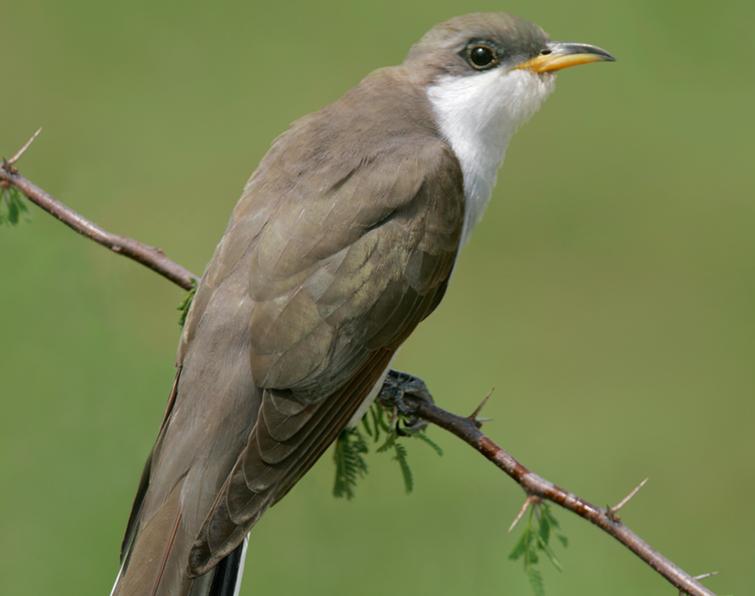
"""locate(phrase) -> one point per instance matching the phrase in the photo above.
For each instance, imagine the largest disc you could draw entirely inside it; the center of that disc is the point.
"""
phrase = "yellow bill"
(560, 55)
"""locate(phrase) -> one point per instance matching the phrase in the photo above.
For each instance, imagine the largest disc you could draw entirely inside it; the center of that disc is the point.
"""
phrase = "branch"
(465, 428)
(538, 487)
(149, 256)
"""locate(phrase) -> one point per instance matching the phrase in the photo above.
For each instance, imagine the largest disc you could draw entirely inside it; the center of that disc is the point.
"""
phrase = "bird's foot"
(396, 387)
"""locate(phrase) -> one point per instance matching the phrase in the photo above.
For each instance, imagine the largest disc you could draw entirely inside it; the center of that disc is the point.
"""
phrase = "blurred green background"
(608, 295)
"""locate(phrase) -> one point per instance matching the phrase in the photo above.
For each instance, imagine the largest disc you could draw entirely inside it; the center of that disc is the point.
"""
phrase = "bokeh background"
(608, 295)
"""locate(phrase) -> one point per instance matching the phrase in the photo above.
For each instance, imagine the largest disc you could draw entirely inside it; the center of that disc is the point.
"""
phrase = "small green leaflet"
(350, 463)
(183, 308)
(535, 541)
(12, 206)
(351, 447)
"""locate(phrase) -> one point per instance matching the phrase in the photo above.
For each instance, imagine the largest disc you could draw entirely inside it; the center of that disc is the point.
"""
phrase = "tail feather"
(227, 580)
(223, 580)
(156, 562)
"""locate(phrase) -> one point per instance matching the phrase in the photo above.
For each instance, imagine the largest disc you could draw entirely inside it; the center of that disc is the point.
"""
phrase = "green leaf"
(536, 581)
(547, 513)
(563, 540)
(535, 539)
(350, 463)
(382, 422)
(366, 424)
(12, 205)
(422, 436)
(385, 428)
(521, 546)
(185, 305)
(12, 211)
(374, 413)
(544, 547)
(544, 531)
(403, 463)
(388, 443)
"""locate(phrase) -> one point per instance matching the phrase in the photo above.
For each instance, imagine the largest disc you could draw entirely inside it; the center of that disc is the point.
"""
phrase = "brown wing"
(334, 295)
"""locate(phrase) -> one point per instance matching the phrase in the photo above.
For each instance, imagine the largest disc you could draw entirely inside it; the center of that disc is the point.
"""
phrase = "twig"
(465, 428)
(148, 256)
(533, 484)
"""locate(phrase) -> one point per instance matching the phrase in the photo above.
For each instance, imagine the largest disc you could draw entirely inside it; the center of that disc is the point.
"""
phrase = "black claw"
(398, 384)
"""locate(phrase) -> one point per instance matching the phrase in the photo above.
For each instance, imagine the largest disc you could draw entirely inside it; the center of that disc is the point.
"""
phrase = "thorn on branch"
(531, 500)
(474, 417)
(699, 578)
(612, 512)
(9, 163)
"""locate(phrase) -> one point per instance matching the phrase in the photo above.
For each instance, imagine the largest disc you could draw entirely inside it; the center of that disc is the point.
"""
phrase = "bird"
(344, 239)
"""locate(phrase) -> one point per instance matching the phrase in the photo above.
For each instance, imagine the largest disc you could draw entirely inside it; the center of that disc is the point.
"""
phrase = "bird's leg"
(396, 387)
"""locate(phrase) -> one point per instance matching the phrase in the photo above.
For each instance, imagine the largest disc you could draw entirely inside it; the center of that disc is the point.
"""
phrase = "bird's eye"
(482, 56)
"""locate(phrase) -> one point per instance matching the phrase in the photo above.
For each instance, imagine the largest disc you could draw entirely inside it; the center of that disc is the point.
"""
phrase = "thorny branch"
(538, 488)
(467, 429)
(149, 256)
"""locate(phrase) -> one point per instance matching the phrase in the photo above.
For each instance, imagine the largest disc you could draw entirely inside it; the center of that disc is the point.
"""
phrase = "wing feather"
(320, 345)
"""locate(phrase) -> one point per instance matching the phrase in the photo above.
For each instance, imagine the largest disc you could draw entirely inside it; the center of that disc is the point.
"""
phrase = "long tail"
(223, 580)
(212, 407)
(159, 537)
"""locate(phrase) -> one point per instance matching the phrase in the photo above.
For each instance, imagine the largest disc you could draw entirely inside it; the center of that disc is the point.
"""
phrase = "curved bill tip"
(559, 55)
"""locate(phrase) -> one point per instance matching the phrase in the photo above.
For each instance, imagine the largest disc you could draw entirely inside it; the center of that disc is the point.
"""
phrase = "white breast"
(477, 115)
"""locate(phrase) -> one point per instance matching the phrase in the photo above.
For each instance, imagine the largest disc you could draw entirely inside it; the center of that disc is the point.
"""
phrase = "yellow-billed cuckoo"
(342, 242)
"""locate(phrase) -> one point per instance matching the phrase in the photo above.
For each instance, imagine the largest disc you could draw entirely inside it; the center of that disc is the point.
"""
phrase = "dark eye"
(482, 56)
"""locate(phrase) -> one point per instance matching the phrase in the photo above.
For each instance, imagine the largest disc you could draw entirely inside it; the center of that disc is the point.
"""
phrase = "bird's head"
(493, 69)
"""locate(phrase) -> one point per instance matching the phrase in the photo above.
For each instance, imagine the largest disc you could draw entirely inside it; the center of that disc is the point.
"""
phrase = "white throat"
(478, 114)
